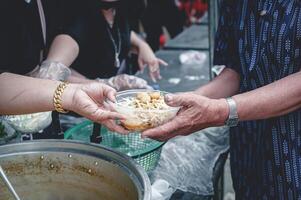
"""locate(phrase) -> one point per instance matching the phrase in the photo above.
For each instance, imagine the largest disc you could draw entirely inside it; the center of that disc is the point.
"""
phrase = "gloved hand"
(126, 82)
(53, 71)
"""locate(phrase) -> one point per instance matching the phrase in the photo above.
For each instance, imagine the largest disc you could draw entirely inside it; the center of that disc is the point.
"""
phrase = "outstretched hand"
(197, 113)
(88, 100)
(146, 57)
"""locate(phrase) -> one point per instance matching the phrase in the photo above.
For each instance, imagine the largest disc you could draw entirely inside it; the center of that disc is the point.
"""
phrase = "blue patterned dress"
(261, 40)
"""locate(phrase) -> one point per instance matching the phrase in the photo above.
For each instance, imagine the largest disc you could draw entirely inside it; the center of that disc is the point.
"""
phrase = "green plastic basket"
(145, 151)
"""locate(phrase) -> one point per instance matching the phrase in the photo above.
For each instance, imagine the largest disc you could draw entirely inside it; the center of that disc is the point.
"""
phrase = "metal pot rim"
(84, 148)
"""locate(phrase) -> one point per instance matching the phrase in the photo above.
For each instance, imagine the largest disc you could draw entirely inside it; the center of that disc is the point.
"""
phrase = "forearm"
(76, 77)
(63, 49)
(276, 99)
(23, 95)
(224, 85)
(17, 94)
(137, 42)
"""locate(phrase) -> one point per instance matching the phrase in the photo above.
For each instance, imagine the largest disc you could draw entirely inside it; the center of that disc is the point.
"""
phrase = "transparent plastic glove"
(32, 123)
(53, 70)
(126, 82)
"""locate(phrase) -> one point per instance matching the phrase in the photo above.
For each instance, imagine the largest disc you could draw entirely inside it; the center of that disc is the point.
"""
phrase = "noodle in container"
(144, 109)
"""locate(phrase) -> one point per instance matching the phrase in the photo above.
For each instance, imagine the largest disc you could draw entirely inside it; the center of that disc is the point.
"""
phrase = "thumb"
(176, 100)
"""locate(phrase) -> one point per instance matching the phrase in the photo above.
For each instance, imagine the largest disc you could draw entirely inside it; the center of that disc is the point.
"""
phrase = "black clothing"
(21, 40)
(92, 32)
(161, 13)
(21, 36)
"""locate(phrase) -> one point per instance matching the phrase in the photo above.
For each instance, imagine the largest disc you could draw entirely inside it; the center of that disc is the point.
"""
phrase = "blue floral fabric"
(261, 40)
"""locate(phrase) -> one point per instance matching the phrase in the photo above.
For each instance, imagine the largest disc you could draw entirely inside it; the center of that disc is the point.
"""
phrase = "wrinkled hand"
(146, 57)
(197, 113)
(126, 82)
(88, 101)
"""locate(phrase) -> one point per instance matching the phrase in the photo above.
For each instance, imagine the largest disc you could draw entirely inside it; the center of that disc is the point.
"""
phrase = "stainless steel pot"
(63, 170)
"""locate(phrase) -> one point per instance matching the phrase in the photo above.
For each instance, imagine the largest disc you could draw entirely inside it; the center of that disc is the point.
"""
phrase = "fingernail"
(168, 97)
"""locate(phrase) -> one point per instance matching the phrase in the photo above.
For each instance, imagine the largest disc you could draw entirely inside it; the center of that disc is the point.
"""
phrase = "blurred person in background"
(159, 14)
(98, 38)
(28, 28)
(194, 9)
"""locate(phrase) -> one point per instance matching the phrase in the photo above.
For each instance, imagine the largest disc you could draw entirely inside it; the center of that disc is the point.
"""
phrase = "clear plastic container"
(139, 119)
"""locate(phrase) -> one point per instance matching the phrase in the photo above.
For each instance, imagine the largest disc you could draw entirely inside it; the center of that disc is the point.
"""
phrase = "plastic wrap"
(30, 123)
(161, 190)
(187, 163)
(53, 71)
(35, 122)
(8, 133)
(192, 58)
(126, 82)
(68, 121)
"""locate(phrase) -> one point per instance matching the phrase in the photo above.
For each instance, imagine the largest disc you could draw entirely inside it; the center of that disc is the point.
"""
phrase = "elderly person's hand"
(88, 101)
(146, 57)
(197, 113)
(126, 82)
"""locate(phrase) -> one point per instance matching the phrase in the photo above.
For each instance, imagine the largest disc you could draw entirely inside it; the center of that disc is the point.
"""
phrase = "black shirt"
(91, 31)
(21, 36)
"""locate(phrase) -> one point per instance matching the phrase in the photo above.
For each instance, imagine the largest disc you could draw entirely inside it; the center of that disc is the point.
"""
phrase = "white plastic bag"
(187, 163)
(29, 123)
(161, 190)
(192, 58)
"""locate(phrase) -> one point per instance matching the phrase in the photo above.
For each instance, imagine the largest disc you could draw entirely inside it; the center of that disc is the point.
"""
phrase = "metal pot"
(63, 170)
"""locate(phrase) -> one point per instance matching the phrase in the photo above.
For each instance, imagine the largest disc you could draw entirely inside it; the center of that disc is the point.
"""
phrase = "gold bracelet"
(57, 98)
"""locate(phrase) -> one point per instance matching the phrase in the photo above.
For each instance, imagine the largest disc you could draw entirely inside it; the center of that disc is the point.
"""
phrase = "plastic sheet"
(126, 82)
(29, 123)
(193, 58)
(187, 163)
(161, 190)
(68, 121)
(53, 71)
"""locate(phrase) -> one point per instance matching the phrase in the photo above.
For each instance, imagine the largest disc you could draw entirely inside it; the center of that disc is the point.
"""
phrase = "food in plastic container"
(144, 109)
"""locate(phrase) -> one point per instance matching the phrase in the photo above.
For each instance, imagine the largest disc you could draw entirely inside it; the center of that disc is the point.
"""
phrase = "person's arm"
(23, 95)
(76, 77)
(64, 49)
(146, 57)
(224, 85)
(276, 99)
(17, 94)
(199, 112)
